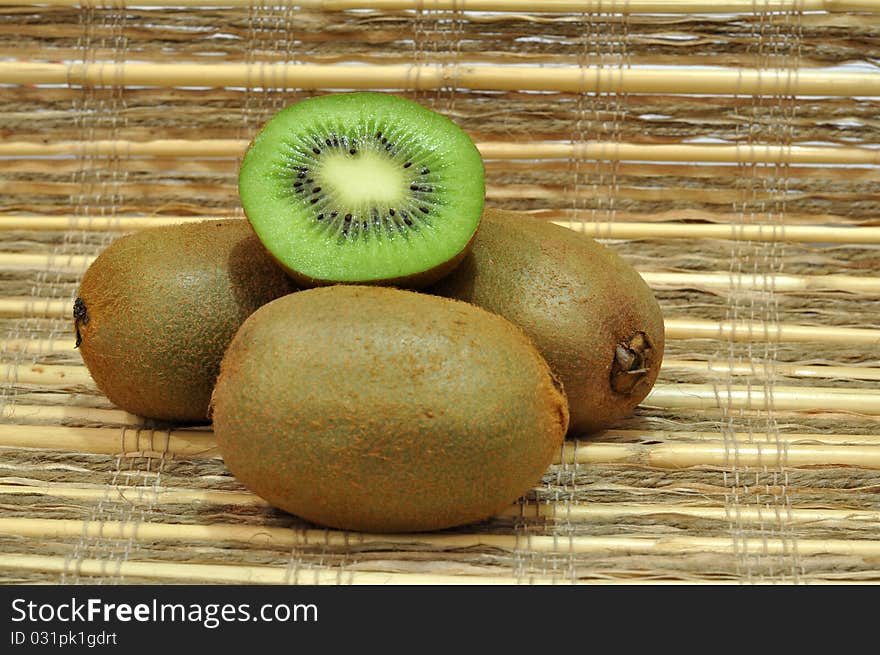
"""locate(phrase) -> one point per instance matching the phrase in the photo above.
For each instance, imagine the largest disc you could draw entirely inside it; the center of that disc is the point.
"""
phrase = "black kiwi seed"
(424, 210)
(407, 164)
(391, 212)
(317, 151)
(320, 217)
(316, 189)
(425, 171)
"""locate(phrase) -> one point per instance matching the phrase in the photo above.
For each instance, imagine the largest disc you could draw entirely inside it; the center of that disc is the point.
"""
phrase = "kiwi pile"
(375, 348)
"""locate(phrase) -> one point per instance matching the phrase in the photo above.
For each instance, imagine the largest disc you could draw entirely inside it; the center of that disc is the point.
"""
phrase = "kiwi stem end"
(80, 317)
(631, 364)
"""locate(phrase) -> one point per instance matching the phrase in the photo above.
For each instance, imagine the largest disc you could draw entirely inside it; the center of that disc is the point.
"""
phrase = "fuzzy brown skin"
(157, 308)
(590, 313)
(383, 410)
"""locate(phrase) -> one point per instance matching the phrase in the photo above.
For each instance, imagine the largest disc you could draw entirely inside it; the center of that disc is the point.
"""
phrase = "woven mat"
(751, 208)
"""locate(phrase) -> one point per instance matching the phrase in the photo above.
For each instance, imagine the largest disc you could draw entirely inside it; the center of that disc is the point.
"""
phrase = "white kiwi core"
(367, 179)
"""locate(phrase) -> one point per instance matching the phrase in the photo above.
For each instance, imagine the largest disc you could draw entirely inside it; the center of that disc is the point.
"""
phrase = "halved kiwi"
(363, 188)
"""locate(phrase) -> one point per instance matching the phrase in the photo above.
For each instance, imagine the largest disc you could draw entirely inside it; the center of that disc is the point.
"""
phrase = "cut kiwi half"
(363, 188)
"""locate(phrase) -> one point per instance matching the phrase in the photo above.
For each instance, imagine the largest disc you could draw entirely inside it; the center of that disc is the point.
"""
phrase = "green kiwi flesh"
(590, 313)
(363, 188)
(384, 410)
(156, 309)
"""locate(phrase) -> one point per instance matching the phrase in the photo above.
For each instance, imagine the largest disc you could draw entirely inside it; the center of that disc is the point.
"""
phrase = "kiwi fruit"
(385, 410)
(590, 313)
(365, 188)
(156, 309)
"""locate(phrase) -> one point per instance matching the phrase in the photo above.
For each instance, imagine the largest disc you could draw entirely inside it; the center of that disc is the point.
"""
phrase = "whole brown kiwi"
(384, 410)
(590, 313)
(157, 308)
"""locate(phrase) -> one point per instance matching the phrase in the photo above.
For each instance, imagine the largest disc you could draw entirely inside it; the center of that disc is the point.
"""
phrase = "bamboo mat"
(728, 150)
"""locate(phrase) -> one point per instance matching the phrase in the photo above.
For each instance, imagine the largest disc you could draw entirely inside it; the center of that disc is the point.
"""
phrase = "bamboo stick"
(767, 232)
(761, 282)
(667, 455)
(40, 346)
(704, 280)
(199, 444)
(761, 370)
(676, 329)
(719, 81)
(546, 193)
(490, 150)
(149, 495)
(749, 514)
(174, 572)
(716, 396)
(701, 216)
(550, 193)
(226, 193)
(48, 375)
(731, 154)
(122, 148)
(28, 45)
(757, 331)
(19, 411)
(597, 229)
(111, 441)
(557, 511)
(288, 538)
(39, 261)
(782, 439)
(225, 169)
(35, 307)
(269, 575)
(241, 574)
(674, 396)
(524, 6)
(98, 223)
(723, 455)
